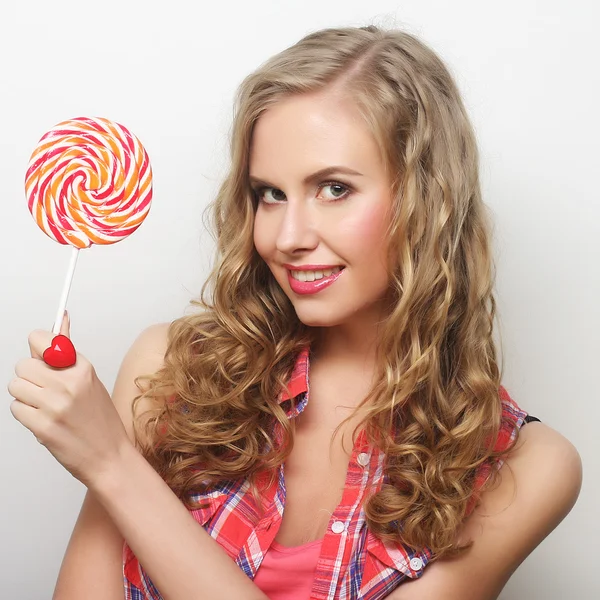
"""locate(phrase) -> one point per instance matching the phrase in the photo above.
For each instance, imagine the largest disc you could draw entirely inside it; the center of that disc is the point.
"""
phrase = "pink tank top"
(287, 573)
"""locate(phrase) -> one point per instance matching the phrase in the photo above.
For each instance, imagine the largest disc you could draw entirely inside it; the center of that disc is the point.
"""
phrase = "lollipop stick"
(65, 292)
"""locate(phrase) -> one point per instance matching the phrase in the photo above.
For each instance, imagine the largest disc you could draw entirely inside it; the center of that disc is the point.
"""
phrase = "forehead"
(305, 133)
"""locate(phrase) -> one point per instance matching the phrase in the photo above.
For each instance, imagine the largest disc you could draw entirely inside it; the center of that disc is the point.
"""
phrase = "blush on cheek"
(367, 228)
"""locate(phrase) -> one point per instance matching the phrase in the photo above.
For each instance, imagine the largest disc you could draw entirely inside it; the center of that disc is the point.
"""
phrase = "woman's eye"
(270, 195)
(337, 191)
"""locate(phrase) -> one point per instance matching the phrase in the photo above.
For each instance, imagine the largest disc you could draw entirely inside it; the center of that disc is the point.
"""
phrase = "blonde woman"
(332, 423)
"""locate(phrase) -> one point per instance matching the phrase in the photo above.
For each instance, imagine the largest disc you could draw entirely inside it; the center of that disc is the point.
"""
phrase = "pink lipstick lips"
(312, 287)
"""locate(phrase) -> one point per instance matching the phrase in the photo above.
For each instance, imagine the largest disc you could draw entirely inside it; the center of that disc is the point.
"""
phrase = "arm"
(94, 553)
(537, 490)
(130, 501)
(180, 557)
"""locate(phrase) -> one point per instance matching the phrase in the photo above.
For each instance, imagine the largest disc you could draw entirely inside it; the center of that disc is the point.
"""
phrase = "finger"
(29, 417)
(38, 341)
(34, 371)
(26, 392)
(65, 326)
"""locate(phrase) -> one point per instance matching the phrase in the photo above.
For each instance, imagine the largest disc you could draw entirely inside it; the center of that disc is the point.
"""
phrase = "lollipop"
(89, 182)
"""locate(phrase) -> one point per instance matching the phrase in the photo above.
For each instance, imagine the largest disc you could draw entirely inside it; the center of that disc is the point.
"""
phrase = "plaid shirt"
(353, 564)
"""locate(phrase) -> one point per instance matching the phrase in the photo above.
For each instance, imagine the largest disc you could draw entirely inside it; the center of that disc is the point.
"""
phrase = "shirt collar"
(297, 383)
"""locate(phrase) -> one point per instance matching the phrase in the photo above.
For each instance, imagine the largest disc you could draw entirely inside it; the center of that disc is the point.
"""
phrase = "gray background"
(167, 70)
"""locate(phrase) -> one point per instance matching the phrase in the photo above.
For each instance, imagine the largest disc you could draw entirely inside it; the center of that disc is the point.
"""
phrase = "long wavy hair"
(435, 406)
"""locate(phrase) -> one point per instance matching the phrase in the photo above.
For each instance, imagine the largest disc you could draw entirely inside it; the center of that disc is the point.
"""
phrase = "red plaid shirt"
(353, 564)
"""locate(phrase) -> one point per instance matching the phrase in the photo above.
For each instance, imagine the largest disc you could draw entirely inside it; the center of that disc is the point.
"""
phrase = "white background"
(168, 70)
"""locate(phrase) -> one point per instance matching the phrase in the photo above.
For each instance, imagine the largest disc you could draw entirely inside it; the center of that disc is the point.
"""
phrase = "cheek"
(366, 230)
(259, 236)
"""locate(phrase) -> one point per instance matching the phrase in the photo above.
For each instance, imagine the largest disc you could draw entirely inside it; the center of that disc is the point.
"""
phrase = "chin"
(319, 318)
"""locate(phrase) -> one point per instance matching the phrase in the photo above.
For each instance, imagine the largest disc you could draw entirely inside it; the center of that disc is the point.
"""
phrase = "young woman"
(343, 367)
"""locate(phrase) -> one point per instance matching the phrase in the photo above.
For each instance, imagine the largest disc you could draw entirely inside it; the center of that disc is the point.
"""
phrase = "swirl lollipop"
(89, 181)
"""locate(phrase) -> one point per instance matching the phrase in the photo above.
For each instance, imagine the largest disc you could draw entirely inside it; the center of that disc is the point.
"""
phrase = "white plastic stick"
(65, 292)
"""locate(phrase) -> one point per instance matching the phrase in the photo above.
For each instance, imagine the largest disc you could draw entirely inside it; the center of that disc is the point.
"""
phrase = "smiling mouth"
(308, 276)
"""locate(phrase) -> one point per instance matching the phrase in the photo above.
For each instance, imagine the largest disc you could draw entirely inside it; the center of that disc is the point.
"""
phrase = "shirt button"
(337, 527)
(416, 564)
(363, 459)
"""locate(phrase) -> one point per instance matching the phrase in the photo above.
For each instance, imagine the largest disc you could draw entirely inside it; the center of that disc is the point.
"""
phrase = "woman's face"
(323, 203)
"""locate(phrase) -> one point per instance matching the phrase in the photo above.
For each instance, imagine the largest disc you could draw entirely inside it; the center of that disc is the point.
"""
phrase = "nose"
(297, 228)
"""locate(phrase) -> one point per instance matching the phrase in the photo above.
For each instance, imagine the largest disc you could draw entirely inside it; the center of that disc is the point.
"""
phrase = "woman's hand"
(68, 410)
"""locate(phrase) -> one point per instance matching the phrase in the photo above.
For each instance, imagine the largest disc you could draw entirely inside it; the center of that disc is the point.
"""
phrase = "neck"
(347, 345)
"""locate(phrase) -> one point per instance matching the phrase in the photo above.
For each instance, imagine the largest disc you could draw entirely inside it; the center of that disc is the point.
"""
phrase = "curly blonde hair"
(435, 406)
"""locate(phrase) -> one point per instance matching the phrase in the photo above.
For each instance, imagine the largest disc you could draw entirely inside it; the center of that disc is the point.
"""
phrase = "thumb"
(65, 327)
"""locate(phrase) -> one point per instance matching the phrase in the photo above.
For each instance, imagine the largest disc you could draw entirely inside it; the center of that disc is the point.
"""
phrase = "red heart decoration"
(61, 353)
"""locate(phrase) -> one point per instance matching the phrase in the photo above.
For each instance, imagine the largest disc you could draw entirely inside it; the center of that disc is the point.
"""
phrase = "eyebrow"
(326, 172)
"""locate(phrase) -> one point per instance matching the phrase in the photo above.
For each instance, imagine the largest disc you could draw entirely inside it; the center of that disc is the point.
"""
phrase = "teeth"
(314, 275)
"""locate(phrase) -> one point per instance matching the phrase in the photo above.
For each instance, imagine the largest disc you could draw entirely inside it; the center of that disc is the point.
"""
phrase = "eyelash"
(258, 192)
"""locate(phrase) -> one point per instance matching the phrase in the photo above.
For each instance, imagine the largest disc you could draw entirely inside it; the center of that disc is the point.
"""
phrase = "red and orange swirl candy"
(89, 181)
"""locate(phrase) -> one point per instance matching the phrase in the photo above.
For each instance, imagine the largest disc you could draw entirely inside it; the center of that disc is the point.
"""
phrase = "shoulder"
(151, 344)
(144, 357)
(539, 484)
